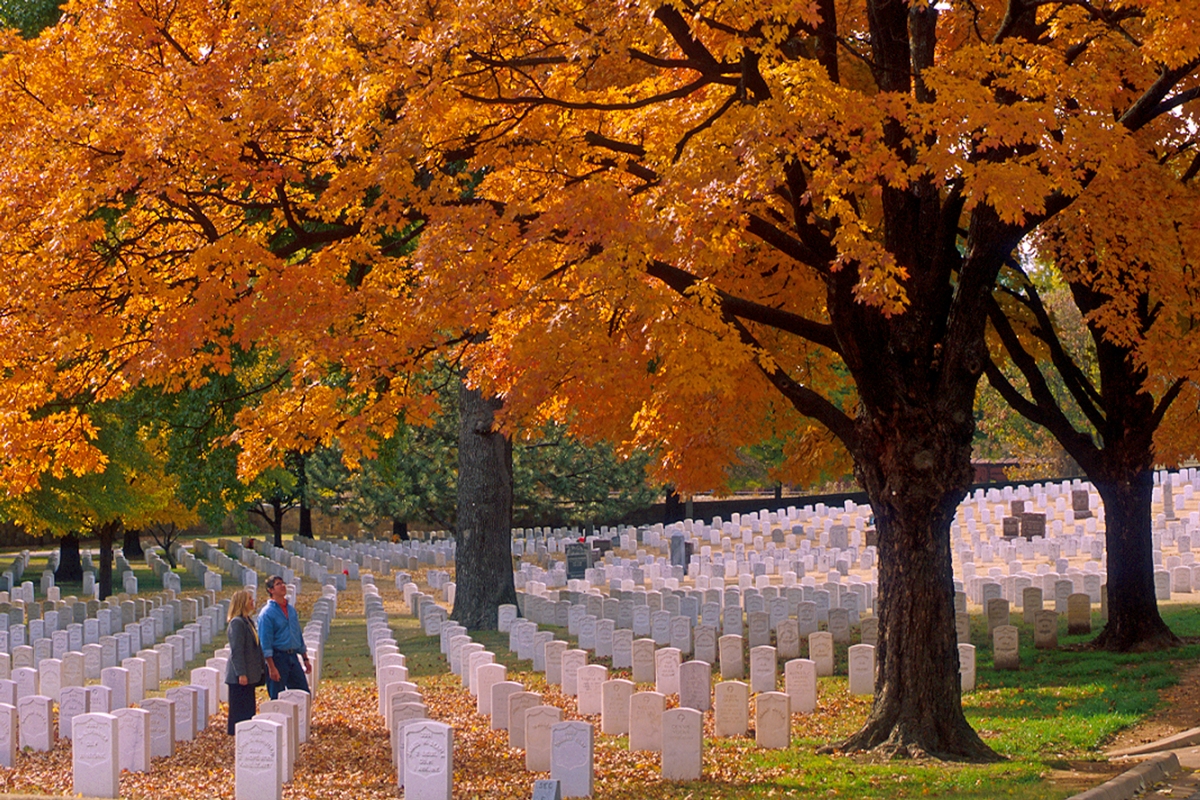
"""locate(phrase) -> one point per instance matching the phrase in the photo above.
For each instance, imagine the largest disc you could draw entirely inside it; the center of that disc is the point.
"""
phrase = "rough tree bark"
(673, 507)
(916, 374)
(70, 565)
(107, 533)
(483, 533)
(165, 534)
(132, 546)
(1134, 623)
(305, 529)
(276, 520)
(915, 487)
(1121, 469)
(399, 529)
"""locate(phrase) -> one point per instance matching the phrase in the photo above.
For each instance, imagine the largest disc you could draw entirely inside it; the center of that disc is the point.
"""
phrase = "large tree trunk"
(673, 507)
(305, 529)
(918, 475)
(277, 521)
(483, 532)
(916, 375)
(1134, 623)
(1122, 472)
(70, 566)
(132, 546)
(399, 529)
(107, 533)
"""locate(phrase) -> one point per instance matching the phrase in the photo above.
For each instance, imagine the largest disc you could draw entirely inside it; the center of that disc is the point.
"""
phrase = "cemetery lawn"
(1050, 721)
(148, 582)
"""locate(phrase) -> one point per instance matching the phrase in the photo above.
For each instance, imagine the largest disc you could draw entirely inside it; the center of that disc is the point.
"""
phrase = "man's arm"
(303, 649)
(266, 639)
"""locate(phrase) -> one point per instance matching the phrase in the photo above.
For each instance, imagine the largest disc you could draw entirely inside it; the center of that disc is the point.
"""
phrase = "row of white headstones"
(268, 745)
(565, 748)
(422, 749)
(109, 735)
(29, 696)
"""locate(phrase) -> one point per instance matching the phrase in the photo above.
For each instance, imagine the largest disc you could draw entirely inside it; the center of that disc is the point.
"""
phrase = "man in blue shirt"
(282, 641)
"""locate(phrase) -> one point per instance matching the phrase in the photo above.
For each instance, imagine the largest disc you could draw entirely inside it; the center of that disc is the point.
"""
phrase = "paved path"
(1177, 756)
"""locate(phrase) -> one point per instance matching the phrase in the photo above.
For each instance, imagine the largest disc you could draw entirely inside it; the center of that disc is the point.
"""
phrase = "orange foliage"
(186, 178)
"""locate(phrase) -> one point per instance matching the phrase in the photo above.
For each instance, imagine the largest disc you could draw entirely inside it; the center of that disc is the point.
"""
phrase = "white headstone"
(518, 704)
(185, 712)
(117, 681)
(258, 764)
(572, 660)
(487, 676)
(800, 681)
(763, 667)
(134, 736)
(682, 743)
(428, 761)
(647, 709)
(304, 700)
(210, 679)
(8, 735)
(862, 669)
(615, 695)
(539, 721)
(966, 666)
(162, 726)
(589, 682)
(95, 755)
(820, 650)
(286, 718)
(500, 693)
(695, 685)
(773, 720)
(571, 758)
(666, 670)
(731, 715)
(34, 724)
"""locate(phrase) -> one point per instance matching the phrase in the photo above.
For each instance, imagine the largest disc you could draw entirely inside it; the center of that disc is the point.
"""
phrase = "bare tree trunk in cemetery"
(483, 534)
(70, 566)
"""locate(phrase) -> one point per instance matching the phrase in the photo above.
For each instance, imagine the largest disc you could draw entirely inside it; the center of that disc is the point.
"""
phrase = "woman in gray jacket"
(245, 669)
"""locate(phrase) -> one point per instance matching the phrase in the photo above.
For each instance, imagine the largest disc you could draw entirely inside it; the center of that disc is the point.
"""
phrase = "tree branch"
(529, 100)
(1048, 412)
(1078, 445)
(1164, 403)
(790, 245)
(681, 32)
(1080, 386)
(703, 126)
(1147, 107)
(806, 401)
(818, 333)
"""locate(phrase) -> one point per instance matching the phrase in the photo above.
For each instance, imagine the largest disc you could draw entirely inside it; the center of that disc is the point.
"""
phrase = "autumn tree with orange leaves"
(675, 225)
(1137, 287)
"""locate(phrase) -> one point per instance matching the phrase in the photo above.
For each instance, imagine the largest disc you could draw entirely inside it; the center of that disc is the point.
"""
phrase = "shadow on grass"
(1070, 701)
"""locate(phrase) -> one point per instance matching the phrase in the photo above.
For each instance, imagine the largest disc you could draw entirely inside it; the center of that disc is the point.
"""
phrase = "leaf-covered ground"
(348, 754)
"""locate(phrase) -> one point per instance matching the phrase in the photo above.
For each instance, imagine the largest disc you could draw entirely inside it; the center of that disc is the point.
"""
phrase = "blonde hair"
(242, 605)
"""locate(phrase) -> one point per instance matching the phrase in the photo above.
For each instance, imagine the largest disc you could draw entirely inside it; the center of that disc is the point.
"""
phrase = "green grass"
(148, 582)
(1061, 706)
(1066, 703)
